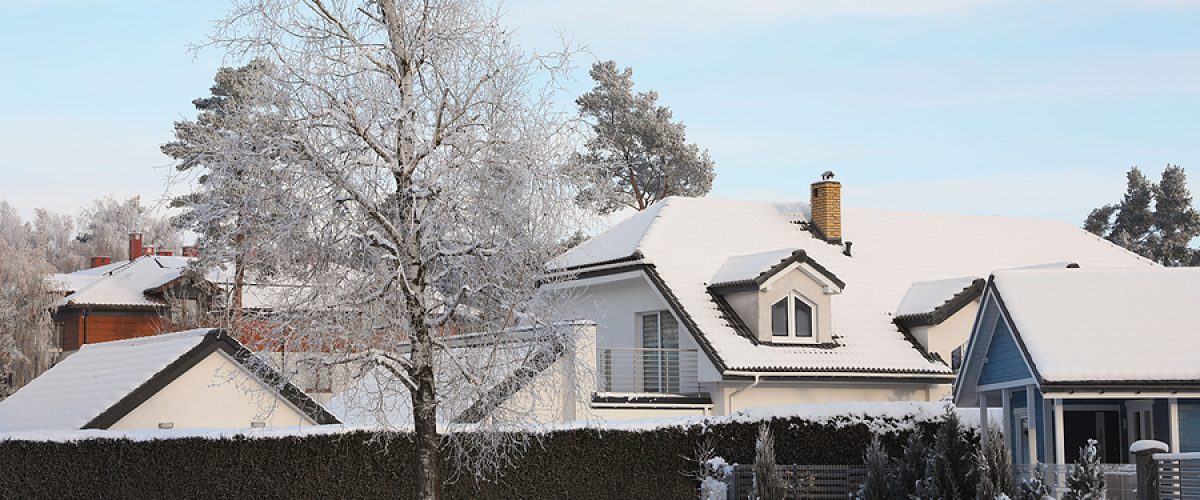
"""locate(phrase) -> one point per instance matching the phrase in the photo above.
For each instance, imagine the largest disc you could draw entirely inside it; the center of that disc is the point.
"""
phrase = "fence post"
(1147, 468)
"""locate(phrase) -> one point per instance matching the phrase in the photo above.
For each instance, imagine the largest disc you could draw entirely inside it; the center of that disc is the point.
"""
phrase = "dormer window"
(792, 317)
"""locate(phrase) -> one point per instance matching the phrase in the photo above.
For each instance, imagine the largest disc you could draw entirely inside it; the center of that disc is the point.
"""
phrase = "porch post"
(1006, 418)
(983, 421)
(1173, 412)
(1060, 448)
(1033, 430)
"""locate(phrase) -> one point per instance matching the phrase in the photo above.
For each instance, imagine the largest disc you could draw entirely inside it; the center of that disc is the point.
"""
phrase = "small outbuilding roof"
(97, 385)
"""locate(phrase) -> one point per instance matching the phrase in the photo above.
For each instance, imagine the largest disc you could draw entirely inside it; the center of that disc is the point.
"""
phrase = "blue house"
(1073, 354)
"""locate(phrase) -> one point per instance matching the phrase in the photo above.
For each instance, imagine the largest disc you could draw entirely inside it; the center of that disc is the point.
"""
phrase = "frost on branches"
(429, 189)
(1086, 479)
(27, 335)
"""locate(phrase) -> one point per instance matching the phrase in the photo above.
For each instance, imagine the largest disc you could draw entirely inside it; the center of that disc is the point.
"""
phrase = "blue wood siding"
(1004, 360)
(1189, 425)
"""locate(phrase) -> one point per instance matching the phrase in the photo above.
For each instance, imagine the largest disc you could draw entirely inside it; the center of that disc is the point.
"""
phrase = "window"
(660, 352)
(793, 317)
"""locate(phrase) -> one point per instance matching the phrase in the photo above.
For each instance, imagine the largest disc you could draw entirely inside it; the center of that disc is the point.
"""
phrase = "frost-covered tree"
(910, 471)
(880, 482)
(235, 154)
(768, 479)
(642, 156)
(55, 235)
(952, 467)
(1035, 487)
(431, 192)
(1085, 481)
(27, 335)
(104, 226)
(995, 464)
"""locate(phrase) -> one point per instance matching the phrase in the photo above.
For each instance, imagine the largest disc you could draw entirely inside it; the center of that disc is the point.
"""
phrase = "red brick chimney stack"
(101, 261)
(147, 249)
(190, 251)
(135, 245)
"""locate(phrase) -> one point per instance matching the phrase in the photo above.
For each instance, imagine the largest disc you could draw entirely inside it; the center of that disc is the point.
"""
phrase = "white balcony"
(647, 371)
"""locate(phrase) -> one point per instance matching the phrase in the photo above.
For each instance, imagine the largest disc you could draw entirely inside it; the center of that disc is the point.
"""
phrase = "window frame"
(791, 337)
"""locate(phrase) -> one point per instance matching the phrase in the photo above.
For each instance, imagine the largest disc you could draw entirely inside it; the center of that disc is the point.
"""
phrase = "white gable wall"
(943, 338)
(216, 393)
(614, 304)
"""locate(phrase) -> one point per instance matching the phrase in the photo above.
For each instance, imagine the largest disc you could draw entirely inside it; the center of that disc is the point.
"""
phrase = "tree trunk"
(425, 420)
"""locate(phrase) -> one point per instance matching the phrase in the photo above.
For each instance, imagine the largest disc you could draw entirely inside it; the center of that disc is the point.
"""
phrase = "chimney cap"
(827, 175)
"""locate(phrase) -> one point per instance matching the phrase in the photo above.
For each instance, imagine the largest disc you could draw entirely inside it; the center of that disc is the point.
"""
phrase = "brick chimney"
(147, 249)
(826, 206)
(165, 253)
(135, 245)
(190, 251)
(101, 261)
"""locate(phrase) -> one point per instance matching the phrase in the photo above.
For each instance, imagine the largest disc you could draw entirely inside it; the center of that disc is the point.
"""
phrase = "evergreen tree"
(1176, 222)
(910, 471)
(1156, 221)
(952, 467)
(768, 481)
(640, 155)
(1134, 217)
(995, 463)
(1035, 488)
(1086, 479)
(880, 483)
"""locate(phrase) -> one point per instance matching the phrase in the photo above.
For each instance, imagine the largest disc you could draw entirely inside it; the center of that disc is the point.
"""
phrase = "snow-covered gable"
(931, 302)
(749, 267)
(92, 380)
(1090, 325)
(688, 240)
(123, 283)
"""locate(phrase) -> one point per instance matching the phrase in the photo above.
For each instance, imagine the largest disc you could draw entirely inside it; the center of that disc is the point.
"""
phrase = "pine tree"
(880, 483)
(1135, 218)
(1086, 479)
(1176, 221)
(952, 467)
(911, 469)
(995, 463)
(1035, 488)
(641, 155)
(768, 481)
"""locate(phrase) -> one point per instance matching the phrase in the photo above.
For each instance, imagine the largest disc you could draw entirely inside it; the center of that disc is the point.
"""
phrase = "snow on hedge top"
(748, 267)
(689, 239)
(81, 387)
(926, 296)
(123, 283)
(1134, 324)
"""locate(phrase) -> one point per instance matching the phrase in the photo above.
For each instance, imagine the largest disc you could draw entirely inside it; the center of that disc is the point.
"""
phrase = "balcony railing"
(648, 371)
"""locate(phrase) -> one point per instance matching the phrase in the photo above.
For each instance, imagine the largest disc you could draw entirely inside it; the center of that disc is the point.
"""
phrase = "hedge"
(578, 463)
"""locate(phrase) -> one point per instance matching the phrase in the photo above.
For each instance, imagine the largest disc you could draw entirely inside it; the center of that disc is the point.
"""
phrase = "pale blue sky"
(972, 106)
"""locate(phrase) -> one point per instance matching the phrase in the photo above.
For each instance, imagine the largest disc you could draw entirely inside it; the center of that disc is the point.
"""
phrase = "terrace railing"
(648, 371)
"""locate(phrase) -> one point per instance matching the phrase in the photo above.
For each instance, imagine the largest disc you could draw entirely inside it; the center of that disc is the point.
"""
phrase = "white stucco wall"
(777, 393)
(216, 393)
(951, 333)
(783, 284)
(614, 303)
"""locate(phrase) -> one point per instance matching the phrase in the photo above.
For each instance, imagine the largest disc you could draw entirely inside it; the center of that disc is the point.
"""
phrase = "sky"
(1017, 108)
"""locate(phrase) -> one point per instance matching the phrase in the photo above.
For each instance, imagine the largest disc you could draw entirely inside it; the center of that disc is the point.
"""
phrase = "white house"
(192, 379)
(706, 306)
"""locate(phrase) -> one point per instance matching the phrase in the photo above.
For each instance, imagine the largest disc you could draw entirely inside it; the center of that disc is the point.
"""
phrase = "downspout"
(86, 313)
(729, 400)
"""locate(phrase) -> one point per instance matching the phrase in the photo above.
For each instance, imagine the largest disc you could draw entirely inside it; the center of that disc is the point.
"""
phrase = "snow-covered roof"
(92, 380)
(748, 267)
(121, 283)
(1090, 325)
(688, 240)
(925, 296)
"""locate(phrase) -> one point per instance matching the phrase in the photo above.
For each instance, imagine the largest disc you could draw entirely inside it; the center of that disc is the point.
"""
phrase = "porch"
(1051, 428)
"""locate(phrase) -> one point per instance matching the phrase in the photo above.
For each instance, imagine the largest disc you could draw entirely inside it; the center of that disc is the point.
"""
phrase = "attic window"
(792, 317)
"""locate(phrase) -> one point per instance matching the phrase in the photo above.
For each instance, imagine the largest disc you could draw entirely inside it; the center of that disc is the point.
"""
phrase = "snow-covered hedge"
(625, 460)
